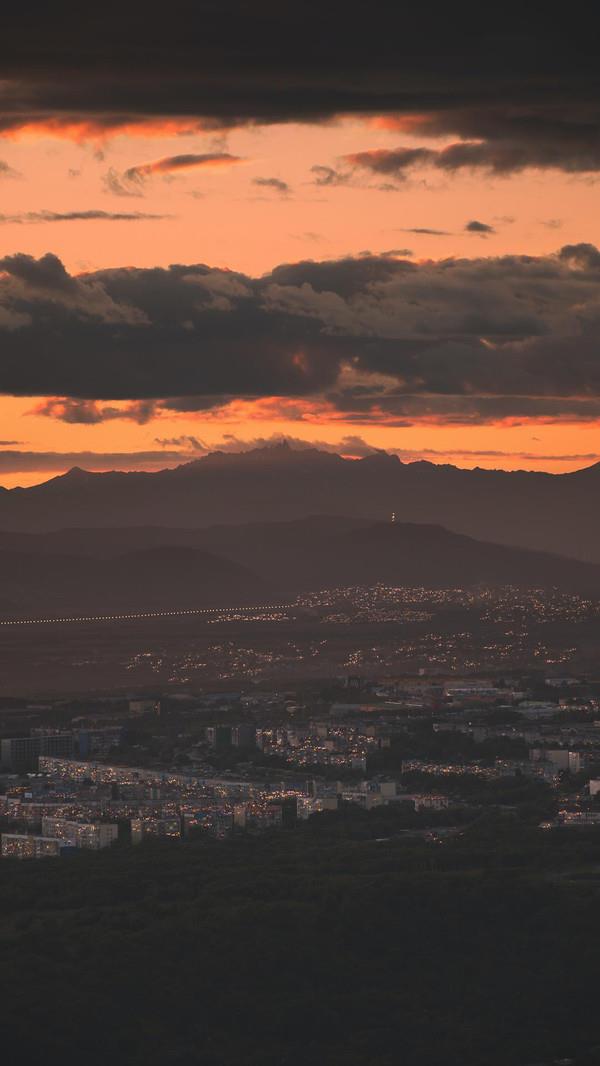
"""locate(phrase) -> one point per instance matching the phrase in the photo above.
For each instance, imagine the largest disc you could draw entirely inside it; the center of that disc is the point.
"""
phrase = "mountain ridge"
(550, 512)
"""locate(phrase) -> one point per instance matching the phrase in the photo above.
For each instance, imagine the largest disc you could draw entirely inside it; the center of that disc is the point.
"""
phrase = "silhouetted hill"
(322, 552)
(551, 512)
(256, 540)
(88, 570)
(152, 578)
(431, 556)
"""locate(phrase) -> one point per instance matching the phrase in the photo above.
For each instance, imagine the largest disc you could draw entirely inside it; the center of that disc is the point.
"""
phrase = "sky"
(259, 223)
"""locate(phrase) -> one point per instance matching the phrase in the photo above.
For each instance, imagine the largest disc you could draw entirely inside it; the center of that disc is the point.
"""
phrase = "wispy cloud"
(276, 184)
(14, 462)
(425, 231)
(36, 217)
(325, 176)
(7, 171)
(130, 182)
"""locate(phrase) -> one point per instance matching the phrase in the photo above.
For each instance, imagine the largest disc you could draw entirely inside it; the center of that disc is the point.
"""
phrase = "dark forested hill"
(149, 578)
(324, 945)
(88, 570)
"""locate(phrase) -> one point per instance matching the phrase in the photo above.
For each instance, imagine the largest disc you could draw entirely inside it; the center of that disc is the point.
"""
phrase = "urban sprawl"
(437, 750)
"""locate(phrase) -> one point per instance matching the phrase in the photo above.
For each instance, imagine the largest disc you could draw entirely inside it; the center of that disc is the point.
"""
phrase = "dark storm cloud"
(373, 336)
(499, 139)
(391, 163)
(220, 64)
(230, 61)
(582, 255)
(345, 277)
(143, 333)
(402, 410)
(505, 139)
(47, 272)
(512, 93)
(89, 412)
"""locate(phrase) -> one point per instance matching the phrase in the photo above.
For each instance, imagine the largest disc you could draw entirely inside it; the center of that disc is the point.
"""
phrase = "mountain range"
(557, 513)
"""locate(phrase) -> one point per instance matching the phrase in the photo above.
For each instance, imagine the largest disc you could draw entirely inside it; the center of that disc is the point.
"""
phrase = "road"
(85, 619)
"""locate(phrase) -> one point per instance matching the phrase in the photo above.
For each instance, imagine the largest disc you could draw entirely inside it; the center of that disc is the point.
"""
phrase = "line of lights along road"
(142, 614)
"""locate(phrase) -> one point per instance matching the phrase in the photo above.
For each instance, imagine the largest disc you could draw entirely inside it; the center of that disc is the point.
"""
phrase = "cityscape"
(437, 751)
(299, 535)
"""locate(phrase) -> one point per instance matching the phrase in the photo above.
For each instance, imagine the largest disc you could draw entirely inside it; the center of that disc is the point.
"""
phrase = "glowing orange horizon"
(222, 216)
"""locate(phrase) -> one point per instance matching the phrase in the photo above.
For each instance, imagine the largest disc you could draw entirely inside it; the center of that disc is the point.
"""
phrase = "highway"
(132, 615)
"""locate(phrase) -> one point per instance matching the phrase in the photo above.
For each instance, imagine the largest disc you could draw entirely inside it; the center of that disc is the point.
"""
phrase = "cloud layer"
(507, 93)
(368, 338)
(23, 462)
(175, 451)
(507, 143)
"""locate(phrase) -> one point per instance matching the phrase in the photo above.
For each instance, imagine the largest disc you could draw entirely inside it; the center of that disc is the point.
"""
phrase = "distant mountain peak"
(381, 458)
(280, 452)
(72, 476)
(76, 472)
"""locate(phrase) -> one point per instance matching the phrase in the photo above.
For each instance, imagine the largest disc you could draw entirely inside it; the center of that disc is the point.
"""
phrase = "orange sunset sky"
(253, 198)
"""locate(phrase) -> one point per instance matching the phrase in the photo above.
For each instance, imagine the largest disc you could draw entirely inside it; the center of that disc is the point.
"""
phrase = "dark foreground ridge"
(339, 944)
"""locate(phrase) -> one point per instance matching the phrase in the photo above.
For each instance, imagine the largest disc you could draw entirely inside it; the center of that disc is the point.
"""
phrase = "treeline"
(325, 944)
